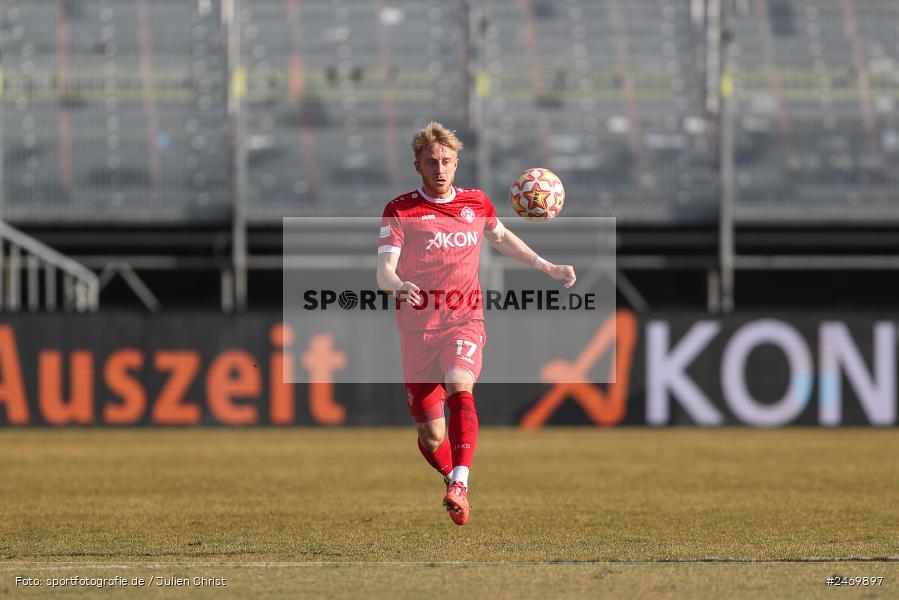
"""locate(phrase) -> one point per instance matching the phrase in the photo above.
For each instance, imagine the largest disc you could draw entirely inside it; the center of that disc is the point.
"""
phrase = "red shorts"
(428, 355)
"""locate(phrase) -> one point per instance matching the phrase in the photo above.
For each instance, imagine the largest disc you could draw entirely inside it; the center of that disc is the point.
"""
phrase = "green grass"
(230, 503)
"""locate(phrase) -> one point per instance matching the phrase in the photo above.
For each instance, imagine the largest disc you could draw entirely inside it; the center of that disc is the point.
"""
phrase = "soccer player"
(429, 251)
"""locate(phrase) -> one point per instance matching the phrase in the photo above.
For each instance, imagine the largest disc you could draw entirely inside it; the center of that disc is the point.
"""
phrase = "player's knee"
(458, 380)
(431, 439)
(451, 389)
(431, 435)
(430, 442)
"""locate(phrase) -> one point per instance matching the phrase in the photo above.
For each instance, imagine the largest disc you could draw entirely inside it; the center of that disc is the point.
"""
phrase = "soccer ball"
(537, 195)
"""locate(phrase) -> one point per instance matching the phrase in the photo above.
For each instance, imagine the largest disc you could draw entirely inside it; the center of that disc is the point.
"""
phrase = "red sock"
(463, 428)
(441, 458)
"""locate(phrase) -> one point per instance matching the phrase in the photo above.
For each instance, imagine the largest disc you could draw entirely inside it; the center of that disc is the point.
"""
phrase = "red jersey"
(439, 243)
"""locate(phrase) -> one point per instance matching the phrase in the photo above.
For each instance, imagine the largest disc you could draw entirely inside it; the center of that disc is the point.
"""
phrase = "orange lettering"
(321, 360)
(12, 389)
(283, 401)
(79, 408)
(126, 386)
(233, 374)
(168, 409)
(571, 379)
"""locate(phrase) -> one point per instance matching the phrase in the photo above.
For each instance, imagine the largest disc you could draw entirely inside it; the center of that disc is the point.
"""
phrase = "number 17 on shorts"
(464, 349)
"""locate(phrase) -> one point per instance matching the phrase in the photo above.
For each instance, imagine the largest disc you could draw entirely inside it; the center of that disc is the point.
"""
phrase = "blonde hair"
(435, 132)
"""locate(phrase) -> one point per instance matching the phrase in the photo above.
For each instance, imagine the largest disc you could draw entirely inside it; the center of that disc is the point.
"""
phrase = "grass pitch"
(356, 513)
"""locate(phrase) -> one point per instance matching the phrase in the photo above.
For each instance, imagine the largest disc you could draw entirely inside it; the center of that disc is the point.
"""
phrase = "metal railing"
(23, 262)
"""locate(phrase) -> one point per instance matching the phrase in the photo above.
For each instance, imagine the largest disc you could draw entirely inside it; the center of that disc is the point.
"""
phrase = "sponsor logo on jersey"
(426, 217)
(467, 214)
(385, 232)
(456, 239)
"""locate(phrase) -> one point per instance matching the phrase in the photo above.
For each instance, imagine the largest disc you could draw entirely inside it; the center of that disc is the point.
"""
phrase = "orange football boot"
(456, 503)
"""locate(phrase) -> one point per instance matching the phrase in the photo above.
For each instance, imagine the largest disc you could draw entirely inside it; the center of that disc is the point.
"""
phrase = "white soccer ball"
(537, 195)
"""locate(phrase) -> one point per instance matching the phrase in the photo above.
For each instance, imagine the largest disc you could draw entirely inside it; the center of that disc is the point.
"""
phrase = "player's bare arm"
(391, 283)
(514, 247)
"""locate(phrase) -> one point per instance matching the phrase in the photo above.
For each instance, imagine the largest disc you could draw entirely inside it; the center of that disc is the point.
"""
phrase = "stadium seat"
(617, 113)
(114, 112)
(815, 120)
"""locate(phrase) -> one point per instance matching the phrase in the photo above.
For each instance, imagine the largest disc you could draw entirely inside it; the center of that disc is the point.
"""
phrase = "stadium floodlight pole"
(2, 153)
(477, 90)
(726, 178)
(711, 19)
(235, 91)
(706, 16)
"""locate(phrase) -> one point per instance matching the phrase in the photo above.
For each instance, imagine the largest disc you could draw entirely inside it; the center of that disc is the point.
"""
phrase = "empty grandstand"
(163, 140)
